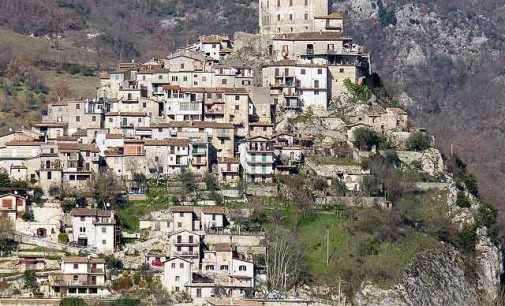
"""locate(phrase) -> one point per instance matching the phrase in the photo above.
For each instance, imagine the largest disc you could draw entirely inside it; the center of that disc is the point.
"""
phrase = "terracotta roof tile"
(183, 209)
(89, 212)
(74, 146)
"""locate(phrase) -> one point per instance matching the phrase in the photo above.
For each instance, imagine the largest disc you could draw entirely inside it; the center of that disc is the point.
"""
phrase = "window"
(204, 79)
(177, 278)
(172, 265)
(104, 230)
(290, 16)
(139, 120)
(316, 84)
(181, 214)
(242, 268)
(198, 292)
(77, 118)
(237, 98)
(76, 278)
(278, 3)
(176, 289)
(306, 16)
(316, 92)
(306, 2)
(182, 66)
(302, 71)
(237, 107)
(174, 78)
(278, 17)
(78, 106)
(93, 118)
(185, 79)
(209, 267)
(110, 120)
(82, 219)
(144, 105)
(179, 249)
(160, 77)
(224, 82)
(181, 265)
(341, 70)
(224, 268)
(319, 71)
(290, 2)
(82, 229)
(104, 242)
(49, 175)
(213, 217)
(222, 141)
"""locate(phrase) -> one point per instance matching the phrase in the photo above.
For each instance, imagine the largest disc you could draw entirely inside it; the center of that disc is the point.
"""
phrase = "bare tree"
(283, 258)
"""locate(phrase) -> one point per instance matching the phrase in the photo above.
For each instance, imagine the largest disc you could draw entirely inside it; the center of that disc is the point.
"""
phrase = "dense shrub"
(73, 301)
(113, 262)
(63, 238)
(462, 200)
(392, 158)
(488, 217)
(418, 141)
(366, 138)
(467, 238)
(470, 182)
(28, 216)
(123, 283)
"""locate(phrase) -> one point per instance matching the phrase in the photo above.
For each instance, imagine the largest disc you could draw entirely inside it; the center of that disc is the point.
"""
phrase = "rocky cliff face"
(438, 277)
(441, 55)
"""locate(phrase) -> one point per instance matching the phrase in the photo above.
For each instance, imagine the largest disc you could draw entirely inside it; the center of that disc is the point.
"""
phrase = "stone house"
(297, 85)
(166, 156)
(95, 228)
(185, 244)
(257, 159)
(229, 170)
(80, 276)
(12, 206)
(293, 16)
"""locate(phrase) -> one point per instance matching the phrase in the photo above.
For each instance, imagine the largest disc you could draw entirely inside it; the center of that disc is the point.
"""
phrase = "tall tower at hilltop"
(292, 16)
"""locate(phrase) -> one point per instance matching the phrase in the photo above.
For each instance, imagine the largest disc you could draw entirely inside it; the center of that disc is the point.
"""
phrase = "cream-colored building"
(95, 228)
(80, 276)
(294, 16)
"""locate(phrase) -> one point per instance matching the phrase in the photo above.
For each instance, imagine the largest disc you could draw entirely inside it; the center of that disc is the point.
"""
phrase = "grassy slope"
(41, 49)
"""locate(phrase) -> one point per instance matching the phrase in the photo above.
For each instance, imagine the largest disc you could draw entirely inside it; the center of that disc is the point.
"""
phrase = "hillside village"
(159, 178)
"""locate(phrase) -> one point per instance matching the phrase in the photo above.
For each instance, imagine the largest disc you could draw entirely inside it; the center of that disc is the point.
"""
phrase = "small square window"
(104, 230)
(104, 242)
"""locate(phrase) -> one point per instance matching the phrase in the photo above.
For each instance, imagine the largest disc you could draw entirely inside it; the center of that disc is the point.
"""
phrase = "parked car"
(157, 263)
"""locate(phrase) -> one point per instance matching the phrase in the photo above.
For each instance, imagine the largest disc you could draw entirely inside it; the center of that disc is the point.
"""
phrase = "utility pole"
(452, 149)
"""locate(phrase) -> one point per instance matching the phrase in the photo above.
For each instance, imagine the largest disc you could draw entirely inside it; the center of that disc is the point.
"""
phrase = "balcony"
(292, 105)
(259, 159)
(223, 133)
(201, 162)
(187, 253)
(199, 152)
(229, 170)
(187, 242)
(292, 94)
(260, 171)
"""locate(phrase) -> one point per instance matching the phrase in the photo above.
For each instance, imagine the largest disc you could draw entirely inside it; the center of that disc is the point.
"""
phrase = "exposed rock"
(437, 277)
(431, 160)
(489, 267)
(433, 278)
(371, 295)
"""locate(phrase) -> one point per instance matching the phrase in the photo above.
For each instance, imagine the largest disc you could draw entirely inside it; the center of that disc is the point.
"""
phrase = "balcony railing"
(198, 152)
(223, 134)
(187, 253)
(186, 242)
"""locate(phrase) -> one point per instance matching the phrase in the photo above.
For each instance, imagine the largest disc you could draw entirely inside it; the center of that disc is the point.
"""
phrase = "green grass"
(40, 49)
(157, 199)
(303, 118)
(80, 86)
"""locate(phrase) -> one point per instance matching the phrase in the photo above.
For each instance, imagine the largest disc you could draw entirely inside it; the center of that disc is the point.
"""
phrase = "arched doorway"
(82, 240)
(41, 232)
